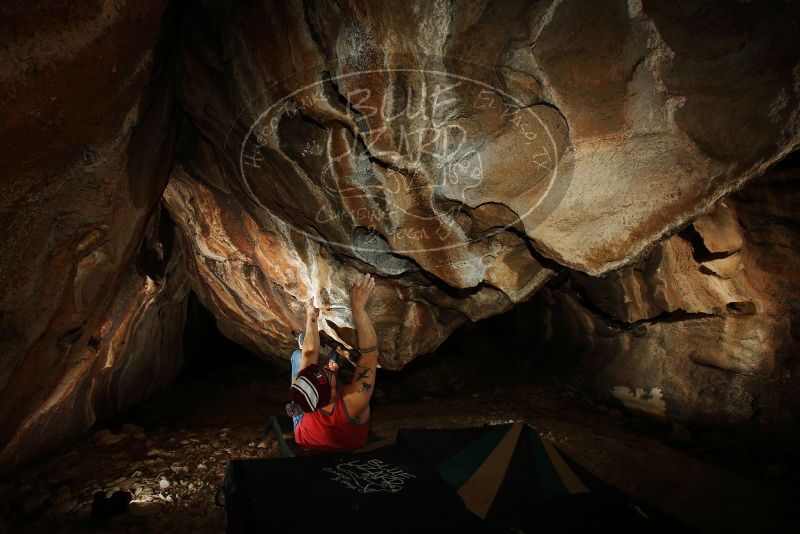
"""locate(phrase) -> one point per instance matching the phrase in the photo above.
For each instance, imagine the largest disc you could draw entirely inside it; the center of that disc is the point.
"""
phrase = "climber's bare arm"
(310, 352)
(358, 394)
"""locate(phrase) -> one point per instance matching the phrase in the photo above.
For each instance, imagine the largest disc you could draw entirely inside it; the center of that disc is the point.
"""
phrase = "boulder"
(671, 338)
(338, 139)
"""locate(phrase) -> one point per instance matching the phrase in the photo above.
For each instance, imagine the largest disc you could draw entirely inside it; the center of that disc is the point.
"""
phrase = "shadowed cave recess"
(592, 204)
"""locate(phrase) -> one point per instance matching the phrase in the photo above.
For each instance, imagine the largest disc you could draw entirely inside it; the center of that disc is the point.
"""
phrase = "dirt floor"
(171, 453)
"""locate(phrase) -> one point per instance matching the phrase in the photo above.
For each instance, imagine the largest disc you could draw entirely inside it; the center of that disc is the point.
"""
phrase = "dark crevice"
(206, 350)
(156, 250)
(708, 365)
(341, 97)
(559, 280)
(635, 67)
(741, 308)
(674, 316)
(790, 162)
(543, 260)
(700, 252)
(360, 121)
(156, 123)
(457, 310)
(309, 119)
(366, 231)
(313, 30)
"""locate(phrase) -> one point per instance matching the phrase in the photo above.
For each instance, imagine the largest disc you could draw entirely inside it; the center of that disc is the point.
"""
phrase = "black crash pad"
(388, 490)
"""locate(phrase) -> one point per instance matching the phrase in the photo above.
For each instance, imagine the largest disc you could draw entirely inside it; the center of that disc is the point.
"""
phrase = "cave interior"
(579, 215)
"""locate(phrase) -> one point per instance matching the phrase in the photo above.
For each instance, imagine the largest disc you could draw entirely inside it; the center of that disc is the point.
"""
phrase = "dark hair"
(347, 365)
(347, 371)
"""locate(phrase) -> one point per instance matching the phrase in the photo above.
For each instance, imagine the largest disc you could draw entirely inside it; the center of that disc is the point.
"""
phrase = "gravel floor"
(171, 452)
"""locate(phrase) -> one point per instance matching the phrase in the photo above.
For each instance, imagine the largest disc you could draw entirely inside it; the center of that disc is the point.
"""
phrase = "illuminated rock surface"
(680, 337)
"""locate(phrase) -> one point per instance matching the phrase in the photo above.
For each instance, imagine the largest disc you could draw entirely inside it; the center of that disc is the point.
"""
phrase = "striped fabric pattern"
(307, 389)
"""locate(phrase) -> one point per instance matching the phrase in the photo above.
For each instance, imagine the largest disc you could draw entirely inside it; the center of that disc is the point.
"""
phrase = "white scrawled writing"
(370, 476)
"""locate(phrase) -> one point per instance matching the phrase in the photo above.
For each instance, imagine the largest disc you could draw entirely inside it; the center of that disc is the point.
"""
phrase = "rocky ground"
(171, 453)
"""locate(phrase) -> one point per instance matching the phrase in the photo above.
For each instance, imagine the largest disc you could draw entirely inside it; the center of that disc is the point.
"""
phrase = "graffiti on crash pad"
(369, 476)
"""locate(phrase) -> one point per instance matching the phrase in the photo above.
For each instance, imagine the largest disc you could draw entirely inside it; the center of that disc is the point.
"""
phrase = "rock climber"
(330, 404)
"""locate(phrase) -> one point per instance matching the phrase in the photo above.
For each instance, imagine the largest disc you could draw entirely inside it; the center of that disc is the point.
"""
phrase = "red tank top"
(333, 432)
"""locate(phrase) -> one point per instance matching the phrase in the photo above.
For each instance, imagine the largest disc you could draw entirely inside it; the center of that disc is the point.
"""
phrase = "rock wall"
(135, 351)
(460, 164)
(703, 329)
(256, 281)
(86, 130)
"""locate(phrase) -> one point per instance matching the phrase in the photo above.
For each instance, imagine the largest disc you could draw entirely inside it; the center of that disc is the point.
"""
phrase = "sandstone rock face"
(86, 140)
(134, 352)
(463, 153)
(369, 137)
(702, 329)
(257, 281)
